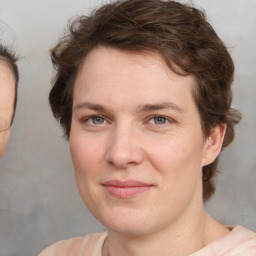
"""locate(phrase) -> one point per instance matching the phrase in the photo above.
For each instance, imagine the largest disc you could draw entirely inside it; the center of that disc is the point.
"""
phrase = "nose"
(124, 148)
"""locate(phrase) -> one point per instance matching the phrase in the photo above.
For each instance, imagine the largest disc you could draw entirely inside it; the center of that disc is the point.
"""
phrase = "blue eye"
(96, 120)
(159, 120)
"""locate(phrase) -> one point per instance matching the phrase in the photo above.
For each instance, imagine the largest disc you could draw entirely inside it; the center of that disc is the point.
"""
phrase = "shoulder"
(86, 245)
(243, 241)
(240, 241)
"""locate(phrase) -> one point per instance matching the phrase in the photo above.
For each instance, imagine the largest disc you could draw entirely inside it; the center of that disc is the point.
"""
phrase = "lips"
(126, 189)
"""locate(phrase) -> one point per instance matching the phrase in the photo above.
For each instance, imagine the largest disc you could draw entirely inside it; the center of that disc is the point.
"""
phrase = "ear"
(213, 144)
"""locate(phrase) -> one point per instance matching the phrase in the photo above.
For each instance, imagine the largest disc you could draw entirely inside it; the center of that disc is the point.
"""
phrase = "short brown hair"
(179, 33)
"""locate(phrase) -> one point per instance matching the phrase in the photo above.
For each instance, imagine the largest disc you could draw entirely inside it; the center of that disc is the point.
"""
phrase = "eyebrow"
(91, 106)
(139, 109)
(160, 106)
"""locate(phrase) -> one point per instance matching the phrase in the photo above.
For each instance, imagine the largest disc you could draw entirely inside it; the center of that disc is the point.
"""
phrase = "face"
(7, 94)
(136, 141)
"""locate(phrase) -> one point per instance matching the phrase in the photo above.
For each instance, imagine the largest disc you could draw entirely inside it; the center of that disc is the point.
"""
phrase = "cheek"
(179, 165)
(86, 153)
(4, 138)
(178, 158)
(173, 151)
(86, 157)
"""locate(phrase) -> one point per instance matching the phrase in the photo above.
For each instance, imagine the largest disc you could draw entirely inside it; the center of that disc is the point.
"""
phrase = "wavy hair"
(180, 33)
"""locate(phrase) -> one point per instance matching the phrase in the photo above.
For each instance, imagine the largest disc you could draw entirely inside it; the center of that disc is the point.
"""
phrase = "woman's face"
(7, 94)
(136, 141)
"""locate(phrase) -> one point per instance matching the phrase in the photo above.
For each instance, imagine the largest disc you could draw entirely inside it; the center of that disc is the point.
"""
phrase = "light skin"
(138, 150)
(7, 94)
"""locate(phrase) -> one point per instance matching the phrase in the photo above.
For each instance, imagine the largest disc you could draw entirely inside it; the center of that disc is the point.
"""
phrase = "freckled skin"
(134, 119)
(7, 94)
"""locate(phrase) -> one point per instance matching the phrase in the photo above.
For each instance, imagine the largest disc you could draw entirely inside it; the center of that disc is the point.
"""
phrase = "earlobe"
(213, 144)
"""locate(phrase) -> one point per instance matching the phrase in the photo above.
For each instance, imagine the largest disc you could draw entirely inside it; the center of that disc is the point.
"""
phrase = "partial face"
(136, 141)
(7, 94)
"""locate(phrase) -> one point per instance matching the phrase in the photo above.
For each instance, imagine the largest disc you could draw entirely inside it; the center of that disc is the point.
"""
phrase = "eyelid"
(169, 119)
(85, 119)
(106, 119)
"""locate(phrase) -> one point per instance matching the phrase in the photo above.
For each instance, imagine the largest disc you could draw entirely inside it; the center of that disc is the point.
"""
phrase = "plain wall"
(39, 201)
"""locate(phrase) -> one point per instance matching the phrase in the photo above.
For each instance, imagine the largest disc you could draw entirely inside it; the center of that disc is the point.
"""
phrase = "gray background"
(39, 202)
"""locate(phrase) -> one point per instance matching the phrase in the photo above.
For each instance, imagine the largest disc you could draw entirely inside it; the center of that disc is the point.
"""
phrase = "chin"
(129, 222)
(127, 229)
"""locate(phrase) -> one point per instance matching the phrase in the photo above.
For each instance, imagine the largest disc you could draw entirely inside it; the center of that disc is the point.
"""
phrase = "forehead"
(7, 93)
(99, 58)
(7, 79)
(112, 72)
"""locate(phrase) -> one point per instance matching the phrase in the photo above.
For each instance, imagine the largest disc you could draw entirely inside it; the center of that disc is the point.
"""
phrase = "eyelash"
(86, 120)
(155, 117)
(167, 120)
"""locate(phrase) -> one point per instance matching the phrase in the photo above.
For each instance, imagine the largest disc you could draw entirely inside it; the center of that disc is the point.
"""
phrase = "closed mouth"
(126, 189)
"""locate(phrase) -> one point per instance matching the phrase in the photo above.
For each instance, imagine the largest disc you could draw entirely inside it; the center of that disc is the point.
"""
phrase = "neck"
(180, 239)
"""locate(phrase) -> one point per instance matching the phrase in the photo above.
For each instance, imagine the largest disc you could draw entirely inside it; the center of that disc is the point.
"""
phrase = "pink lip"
(125, 189)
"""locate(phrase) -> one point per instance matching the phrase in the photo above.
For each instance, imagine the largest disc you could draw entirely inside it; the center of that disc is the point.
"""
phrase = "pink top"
(239, 242)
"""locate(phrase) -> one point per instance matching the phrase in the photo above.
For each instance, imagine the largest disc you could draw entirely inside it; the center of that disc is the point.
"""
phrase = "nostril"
(124, 150)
